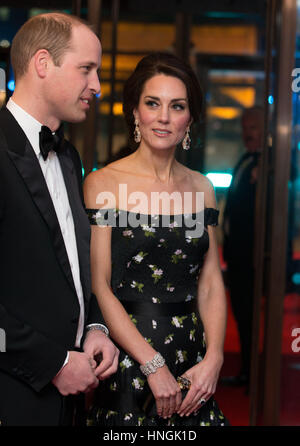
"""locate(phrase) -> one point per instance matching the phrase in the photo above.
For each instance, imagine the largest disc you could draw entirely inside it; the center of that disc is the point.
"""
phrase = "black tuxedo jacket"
(39, 308)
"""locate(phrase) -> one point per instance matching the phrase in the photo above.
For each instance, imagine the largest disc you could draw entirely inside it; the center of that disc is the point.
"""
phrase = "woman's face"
(163, 112)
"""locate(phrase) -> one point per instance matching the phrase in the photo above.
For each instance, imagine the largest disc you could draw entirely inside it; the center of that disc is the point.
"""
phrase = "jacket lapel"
(81, 223)
(22, 155)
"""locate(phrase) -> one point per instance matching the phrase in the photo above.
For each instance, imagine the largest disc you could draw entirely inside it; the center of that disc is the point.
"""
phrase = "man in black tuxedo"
(53, 325)
(238, 245)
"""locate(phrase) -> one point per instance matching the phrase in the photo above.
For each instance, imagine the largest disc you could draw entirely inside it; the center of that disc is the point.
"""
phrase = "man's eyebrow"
(89, 63)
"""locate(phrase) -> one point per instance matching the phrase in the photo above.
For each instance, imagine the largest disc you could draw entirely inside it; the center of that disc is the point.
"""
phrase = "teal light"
(296, 278)
(220, 179)
(11, 85)
(83, 172)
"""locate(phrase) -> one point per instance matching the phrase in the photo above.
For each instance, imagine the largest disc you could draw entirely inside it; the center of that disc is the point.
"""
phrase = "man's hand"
(97, 343)
(78, 375)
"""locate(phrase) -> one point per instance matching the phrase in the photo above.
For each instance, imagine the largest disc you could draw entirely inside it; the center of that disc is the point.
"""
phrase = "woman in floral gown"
(154, 261)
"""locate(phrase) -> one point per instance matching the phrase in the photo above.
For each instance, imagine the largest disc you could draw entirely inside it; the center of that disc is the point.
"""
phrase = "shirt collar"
(30, 126)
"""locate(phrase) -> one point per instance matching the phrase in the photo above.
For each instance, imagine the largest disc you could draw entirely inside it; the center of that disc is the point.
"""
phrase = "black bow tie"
(51, 141)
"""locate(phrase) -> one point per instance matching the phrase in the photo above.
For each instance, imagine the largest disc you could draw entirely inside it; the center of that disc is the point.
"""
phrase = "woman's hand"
(204, 377)
(166, 392)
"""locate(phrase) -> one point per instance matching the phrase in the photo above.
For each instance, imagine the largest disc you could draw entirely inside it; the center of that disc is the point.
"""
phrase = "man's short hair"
(52, 31)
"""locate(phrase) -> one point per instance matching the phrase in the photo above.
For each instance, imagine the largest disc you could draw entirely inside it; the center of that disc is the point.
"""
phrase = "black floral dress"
(156, 261)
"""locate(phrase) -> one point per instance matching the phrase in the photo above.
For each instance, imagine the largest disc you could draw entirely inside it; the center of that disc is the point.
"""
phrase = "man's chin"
(76, 119)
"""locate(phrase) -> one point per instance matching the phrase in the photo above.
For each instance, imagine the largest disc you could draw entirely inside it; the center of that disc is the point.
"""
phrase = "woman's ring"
(184, 383)
(202, 401)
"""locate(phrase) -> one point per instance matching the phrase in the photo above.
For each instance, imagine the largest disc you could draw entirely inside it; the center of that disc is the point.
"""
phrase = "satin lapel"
(82, 227)
(26, 162)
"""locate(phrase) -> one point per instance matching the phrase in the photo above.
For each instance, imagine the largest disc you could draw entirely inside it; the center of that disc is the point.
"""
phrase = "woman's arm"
(212, 309)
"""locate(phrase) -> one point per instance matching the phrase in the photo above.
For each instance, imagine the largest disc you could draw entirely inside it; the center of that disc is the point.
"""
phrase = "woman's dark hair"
(160, 63)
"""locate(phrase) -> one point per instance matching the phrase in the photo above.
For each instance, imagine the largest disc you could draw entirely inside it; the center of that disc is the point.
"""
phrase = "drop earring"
(186, 143)
(137, 133)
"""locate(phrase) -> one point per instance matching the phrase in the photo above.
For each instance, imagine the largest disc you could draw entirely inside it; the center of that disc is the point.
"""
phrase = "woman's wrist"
(215, 356)
(153, 365)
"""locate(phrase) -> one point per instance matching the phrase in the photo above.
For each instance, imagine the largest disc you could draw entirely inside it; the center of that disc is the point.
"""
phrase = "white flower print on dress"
(199, 357)
(128, 233)
(154, 324)
(128, 416)
(178, 255)
(162, 242)
(177, 321)
(192, 335)
(99, 218)
(193, 268)
(137, 285)
(173, 225)
(169, 338)
(113, 386)
(139, 257)
(149, 231)
(141, 420)
(188, 298)
(170, 288)
(138, 383)
(126, 363)
(181, 356)
(157, 273)
(111, 413)
(155, 300)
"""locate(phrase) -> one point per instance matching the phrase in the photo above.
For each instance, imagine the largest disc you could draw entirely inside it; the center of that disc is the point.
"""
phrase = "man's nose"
(94, 85)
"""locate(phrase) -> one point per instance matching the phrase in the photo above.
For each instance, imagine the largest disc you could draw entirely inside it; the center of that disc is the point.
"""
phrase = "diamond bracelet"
(100, 327)
(151, 366)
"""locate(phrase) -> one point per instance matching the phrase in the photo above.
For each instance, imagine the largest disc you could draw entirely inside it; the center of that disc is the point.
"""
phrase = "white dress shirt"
(55, 182)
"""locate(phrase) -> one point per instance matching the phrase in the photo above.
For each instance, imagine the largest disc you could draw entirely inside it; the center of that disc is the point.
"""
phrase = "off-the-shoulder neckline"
(152, 215)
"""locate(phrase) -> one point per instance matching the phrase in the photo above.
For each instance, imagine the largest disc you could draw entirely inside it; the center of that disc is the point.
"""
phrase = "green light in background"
(219, 179)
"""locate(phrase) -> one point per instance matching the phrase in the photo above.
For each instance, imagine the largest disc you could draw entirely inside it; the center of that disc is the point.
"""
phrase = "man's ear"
(42, 61)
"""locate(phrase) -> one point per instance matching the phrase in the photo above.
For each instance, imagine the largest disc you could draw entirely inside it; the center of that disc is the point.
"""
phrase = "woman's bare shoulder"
(203, 184)
(96, 183)
(106, 180)
(96, 178)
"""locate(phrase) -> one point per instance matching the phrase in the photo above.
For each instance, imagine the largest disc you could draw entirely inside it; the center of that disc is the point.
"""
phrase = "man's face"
(252, 127)
(71, 86)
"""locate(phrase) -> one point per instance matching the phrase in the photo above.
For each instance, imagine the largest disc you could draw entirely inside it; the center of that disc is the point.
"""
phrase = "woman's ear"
(135, 114)
(42, 61)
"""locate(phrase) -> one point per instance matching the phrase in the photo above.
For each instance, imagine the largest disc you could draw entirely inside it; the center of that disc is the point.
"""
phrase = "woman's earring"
(186, 143)
(137, 133)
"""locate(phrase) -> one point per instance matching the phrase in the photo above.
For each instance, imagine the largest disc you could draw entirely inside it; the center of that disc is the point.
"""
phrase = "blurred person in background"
(238, 244)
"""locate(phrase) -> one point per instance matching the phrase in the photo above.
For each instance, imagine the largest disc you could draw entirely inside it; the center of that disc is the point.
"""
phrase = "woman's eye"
(178, 107)
(151, 103)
